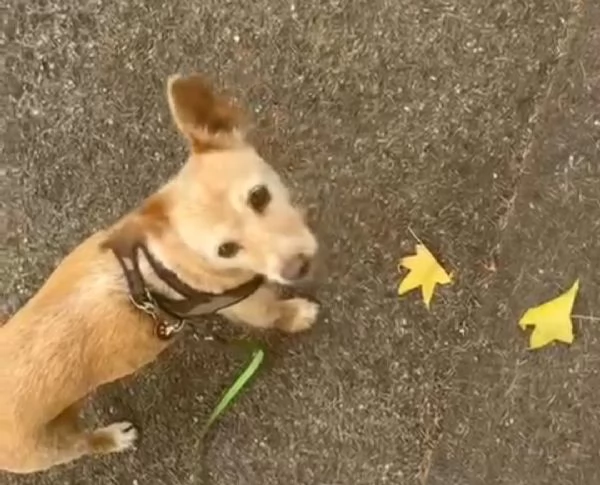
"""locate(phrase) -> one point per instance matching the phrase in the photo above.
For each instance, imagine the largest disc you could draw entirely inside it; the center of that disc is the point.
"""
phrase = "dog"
(218, 237)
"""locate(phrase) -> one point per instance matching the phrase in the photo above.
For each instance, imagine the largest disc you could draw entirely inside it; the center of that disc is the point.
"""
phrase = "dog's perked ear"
(207, 119)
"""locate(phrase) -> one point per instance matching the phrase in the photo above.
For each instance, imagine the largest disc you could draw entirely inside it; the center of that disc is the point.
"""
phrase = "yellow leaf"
(551, 320)
(425, 272)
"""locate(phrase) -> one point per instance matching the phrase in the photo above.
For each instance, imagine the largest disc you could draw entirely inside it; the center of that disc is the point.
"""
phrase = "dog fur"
(81, 331)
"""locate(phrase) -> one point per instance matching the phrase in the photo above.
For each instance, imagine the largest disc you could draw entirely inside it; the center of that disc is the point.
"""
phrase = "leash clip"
(147, 304)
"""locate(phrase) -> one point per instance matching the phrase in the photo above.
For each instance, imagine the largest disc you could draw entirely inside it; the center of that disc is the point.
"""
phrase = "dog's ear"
(207, 119)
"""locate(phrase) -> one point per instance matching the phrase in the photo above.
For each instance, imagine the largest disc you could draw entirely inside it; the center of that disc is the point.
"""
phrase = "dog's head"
(227, 204)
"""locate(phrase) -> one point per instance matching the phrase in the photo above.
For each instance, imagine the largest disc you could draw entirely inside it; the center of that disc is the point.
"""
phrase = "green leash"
(235, 389)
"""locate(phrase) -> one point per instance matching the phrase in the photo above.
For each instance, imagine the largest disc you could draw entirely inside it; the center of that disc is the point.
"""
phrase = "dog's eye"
(259, 198)
(229, 249)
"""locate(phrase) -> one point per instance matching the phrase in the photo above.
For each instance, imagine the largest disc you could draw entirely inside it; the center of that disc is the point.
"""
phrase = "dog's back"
(76, 333)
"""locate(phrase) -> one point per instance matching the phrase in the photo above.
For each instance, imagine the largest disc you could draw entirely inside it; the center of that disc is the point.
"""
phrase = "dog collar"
(169, 314)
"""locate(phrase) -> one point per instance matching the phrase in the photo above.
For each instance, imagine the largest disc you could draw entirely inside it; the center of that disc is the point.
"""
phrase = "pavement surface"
(474, 123)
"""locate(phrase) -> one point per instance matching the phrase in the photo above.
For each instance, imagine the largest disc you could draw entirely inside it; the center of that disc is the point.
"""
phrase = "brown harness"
(170, 314)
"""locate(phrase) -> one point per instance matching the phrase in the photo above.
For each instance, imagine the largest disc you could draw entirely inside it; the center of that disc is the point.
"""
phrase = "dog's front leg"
(264, 309)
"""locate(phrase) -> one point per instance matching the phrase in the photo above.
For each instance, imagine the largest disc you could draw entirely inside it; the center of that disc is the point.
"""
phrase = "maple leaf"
(425, 272)
(551, 320)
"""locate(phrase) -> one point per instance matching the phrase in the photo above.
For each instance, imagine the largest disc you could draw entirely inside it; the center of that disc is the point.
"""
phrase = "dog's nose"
(296, 268)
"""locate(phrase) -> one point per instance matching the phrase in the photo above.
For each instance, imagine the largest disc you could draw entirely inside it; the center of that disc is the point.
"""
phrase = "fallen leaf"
(425, 272)
(551, 320)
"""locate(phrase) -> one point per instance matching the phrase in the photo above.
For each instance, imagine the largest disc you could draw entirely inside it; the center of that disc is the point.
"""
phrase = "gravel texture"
(476, 123)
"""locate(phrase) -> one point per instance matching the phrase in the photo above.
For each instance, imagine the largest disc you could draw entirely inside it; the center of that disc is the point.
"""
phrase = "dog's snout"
(296, 268)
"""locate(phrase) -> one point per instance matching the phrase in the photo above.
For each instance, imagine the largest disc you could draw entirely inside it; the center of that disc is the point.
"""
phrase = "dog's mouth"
(294, 271)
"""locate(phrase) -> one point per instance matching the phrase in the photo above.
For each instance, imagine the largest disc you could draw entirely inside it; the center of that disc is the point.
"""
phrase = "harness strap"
(172, 314)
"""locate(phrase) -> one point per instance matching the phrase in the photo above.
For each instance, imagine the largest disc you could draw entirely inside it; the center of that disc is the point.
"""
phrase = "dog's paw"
(299, 314)
(115, 437)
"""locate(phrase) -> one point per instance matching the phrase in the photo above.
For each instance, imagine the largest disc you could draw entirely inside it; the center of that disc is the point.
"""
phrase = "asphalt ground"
(474, 123)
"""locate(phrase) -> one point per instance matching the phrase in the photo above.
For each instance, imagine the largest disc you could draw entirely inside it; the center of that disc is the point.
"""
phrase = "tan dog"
(112, 305)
